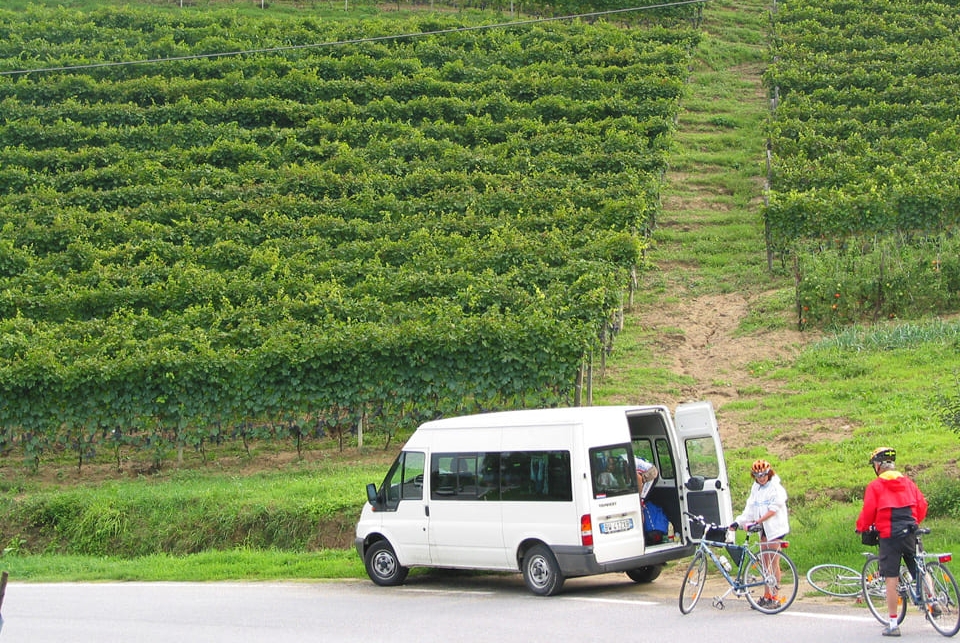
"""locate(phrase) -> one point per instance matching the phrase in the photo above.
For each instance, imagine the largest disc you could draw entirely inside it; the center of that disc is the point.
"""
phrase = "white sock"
(893, 622)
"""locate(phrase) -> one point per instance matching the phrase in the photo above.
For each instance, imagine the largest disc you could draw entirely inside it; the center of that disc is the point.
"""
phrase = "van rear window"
(613, 470)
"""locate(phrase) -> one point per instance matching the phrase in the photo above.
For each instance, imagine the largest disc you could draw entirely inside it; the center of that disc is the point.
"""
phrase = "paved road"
(440, 607)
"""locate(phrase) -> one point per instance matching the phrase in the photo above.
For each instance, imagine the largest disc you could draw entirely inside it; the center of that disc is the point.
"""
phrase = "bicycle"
(934, 590)
(765, 576)
(835, 580)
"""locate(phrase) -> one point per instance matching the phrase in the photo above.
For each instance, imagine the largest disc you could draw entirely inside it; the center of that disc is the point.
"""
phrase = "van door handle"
(426, 510)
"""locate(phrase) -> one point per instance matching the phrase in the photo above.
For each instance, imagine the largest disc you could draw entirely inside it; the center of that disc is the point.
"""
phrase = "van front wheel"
(645, 574)
(541, 572)
(383, 568)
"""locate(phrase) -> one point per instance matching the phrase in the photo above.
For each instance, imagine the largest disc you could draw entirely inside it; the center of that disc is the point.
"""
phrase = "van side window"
(454, 475)
(488, 476)
(535, 475)
(642, 448)
(668, 471)
(702, 457)
(405, 479)
(542, 476)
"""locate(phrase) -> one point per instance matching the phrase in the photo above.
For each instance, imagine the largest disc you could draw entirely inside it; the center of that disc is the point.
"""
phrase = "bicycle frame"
(912, 587)
(737, 585)
(735, 582)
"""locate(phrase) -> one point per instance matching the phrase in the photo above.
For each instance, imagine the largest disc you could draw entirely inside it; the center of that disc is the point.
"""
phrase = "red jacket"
(891, 503)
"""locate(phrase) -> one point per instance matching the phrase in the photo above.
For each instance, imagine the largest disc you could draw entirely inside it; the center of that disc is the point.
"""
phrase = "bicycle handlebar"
(754, 528)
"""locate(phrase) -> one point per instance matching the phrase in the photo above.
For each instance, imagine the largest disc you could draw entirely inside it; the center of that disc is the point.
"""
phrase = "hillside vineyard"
(282, 243)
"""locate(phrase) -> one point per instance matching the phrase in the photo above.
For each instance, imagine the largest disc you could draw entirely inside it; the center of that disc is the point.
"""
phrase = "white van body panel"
(475, 518)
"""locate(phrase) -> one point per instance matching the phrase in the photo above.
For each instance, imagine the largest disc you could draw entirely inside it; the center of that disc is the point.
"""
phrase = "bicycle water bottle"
(725, 563)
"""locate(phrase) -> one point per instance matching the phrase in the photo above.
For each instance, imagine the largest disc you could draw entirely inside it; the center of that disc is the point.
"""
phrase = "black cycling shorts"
(893, 550)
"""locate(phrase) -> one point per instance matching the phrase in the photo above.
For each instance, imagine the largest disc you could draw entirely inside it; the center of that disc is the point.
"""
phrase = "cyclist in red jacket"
(895, 506)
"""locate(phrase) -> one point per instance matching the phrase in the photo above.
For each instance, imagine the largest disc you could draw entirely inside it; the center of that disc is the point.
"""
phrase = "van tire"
(382, 565)
(541, 572)
(645, 574)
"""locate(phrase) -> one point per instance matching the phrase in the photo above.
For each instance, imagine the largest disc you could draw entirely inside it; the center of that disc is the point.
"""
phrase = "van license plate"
(616, 525)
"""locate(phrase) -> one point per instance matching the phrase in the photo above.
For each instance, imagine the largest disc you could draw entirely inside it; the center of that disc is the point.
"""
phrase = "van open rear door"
(706, 489)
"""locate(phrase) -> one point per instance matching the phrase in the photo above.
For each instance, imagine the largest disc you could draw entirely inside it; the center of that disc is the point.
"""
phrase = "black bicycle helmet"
(883, 454)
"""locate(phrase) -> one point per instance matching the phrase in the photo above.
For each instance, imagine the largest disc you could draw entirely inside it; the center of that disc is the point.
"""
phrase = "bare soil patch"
(698, 338)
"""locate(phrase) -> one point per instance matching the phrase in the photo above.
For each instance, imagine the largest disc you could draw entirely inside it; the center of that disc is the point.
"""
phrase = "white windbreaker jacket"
(763, 498)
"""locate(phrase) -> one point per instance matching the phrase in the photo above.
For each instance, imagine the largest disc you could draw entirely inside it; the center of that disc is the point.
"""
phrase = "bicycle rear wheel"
(942, 607)
(771, 581)
(874, 589)
(835, 580)
(693, 583)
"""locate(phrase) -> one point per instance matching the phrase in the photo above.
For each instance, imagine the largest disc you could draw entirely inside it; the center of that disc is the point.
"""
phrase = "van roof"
(538, 417)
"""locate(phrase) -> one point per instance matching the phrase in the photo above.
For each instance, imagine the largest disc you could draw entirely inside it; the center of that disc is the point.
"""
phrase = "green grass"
(843, 396)
(236, 564)
(301, 507)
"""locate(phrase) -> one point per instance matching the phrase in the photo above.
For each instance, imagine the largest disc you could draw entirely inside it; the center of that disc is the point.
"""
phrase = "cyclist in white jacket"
(766, 506)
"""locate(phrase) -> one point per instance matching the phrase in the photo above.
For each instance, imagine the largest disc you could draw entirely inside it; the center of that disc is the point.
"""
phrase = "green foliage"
(864, 167)
(864, 280)
(948, 404)
(198, 249)
(943, 496)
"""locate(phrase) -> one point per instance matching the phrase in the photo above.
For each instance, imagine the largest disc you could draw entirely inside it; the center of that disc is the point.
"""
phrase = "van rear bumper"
(581, 561)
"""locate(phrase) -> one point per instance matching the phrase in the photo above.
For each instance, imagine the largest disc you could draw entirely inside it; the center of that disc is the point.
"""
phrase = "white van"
(552, 493)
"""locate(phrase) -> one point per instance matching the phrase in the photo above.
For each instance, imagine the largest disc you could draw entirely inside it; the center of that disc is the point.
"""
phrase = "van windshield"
(613, 471)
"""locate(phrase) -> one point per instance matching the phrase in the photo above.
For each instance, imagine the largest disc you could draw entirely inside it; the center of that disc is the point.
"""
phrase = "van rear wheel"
(645, 574)
(382, 565)
(541, 572)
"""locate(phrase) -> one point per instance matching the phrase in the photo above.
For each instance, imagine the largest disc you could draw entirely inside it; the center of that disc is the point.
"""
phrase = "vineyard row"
(191, 256)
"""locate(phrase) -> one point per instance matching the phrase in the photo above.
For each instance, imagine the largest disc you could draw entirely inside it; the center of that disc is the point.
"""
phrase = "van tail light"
(945, 558)
(586, 531)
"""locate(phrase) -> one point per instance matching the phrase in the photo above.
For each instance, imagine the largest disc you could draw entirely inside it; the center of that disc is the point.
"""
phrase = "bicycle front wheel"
(770, 581)
(874, 589)
(835, 580)
(942, 608)
(693, 583)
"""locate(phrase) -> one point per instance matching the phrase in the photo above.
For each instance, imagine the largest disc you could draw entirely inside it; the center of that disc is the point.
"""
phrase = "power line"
(517, 23)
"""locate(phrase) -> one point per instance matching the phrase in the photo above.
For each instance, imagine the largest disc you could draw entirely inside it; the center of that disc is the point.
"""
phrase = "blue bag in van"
(655, 524)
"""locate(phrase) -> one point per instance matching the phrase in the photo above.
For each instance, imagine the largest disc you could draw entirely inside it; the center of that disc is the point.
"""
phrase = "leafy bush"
(870, 279)
(943, 496)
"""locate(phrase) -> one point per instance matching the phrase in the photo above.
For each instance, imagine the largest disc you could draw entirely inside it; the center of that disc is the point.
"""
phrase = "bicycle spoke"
(943, 608)
(693, 583)
(771, 581)
(835, 580)
(874, 591)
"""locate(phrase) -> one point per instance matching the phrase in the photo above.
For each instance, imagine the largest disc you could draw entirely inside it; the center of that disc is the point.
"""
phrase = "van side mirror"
(694, 483)
(372, 497)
